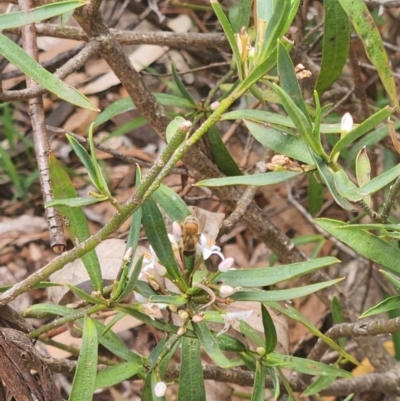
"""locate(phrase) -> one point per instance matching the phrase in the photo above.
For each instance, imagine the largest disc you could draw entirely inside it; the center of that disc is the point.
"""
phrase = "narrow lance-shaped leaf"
(335, 46)
(258, 393)
(288, 79)
(15, 55)
(365, 26)
(156, 232)
(266, 276)
(21, 18)
(367, 125)
(226, 26)
(191, 381)
(75, 220)
(257, 179)
(281, 295)
(280, 142)
(269, 330)
(364, 243)
(222, 156)
(86, 369)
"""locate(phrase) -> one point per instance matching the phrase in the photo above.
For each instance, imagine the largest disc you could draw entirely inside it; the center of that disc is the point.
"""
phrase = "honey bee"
(190, 235)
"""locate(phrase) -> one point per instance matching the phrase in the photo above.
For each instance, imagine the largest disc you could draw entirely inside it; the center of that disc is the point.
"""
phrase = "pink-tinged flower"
(209, 248)
(176, 231)
(214, 105)
(160, 269)
(232, 319)
(226, 290)
(160, 389)
(225, 265)
(347, 123)
(197, 318)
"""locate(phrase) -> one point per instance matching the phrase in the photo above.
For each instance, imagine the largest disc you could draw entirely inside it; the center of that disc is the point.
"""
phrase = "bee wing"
(210, 222)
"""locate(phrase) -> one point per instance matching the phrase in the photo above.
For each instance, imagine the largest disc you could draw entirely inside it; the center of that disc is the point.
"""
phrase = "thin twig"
(42, 147)
(391, 198)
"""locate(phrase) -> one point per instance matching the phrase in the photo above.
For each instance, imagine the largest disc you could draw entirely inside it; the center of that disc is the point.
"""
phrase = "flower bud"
(225, 265)
(347, 123)
(197, 318)
(225, 291)
(214, 105)
(183, 314)
(176, 229)
(260, 351)
(160, 269)
(181, 331)
(160, 389)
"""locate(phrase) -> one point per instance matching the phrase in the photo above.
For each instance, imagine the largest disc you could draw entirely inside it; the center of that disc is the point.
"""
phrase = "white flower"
(226, 290)
(347, 123)
(209, 248)
(160, 389)
(232, 319)
(225, 265)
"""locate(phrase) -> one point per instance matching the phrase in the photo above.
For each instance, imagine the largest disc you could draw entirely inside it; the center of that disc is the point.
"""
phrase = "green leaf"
(276, 23)
(288, 80)
(364, 243)
(109, 340)
(318, 385)
(280, 142)
(315, 195)
(230, 36)
(269, 330)
(15, 55)
(86, 160)
(300, 119)
(168, 299)
(210, 346)
(85, 296)
(156, 232)
(239, 16)
(369, 33)
(181, 86)
(335, 46)
(191, 382)
(395, 282)
(391, 303)
(281, 295)
(222, 156)
(149, 320)
(256, 179)
(132, 280)
(100, 180)
(75, 220)
(116, 374)
(363, 128)
(261, 116)
(21, 18)
(345, 187)
(83, 384)
(266, 276)
(327, 176)
(126, 104)
(259, 383)
(172, 204)
(337, 316)
(381, 181)
(363, 171)
(303, 365)
(41, 311)
(75, 202)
